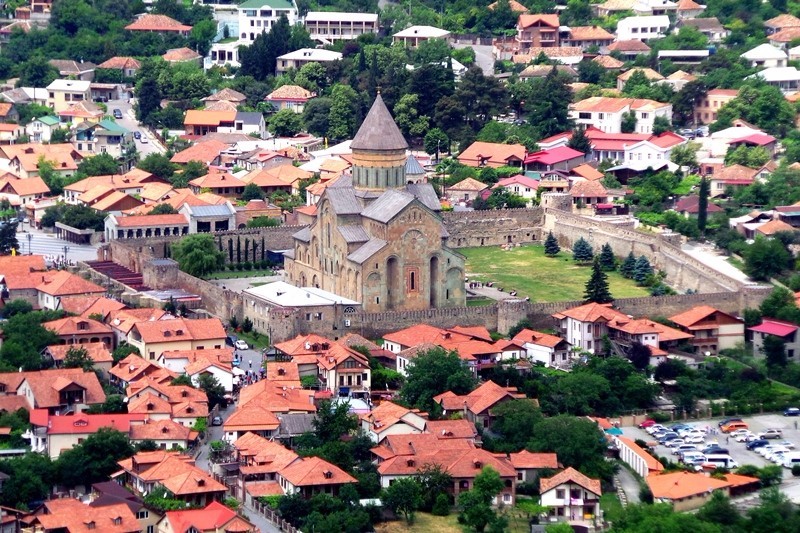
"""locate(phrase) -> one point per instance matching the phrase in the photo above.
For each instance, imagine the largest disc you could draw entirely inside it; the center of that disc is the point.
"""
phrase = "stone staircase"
(120, 273)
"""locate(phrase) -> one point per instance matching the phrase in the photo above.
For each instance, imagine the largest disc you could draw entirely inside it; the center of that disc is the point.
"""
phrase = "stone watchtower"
(379, 151)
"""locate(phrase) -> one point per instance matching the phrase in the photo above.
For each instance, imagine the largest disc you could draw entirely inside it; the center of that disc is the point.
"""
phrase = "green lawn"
(230, 274)
(544, 279)
(611, 506)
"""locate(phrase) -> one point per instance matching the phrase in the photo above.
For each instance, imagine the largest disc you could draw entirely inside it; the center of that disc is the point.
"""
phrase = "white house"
(642, 28)
(391, 419)
(258, 16)
(222, 54)
(416, 34)
(520, 185)
(765, 56)
(63, 93)
(298, 58)
(222, 371)
(654, 152)
(571, 496)
(327, 26)
(39, 130)
(543, 348)
(787, 79)
(606, 113)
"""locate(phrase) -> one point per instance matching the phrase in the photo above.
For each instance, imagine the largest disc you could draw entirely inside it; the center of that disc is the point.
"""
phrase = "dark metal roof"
(303, 235)
(366, 251)
(413, 167)
(424, 193)
(343, 200)
(379, 130)
(388, 205)
(353, 233)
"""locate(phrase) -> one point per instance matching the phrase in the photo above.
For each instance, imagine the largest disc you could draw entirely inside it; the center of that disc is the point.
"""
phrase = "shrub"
(238, 266)
(442, 505)
(247, 265)
(796, 470)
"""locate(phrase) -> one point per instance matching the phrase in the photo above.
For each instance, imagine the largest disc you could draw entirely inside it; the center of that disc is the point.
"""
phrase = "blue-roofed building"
(414, 171)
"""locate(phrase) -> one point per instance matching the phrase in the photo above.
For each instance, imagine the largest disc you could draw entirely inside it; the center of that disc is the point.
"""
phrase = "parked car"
(714, 448)
(756, 444)
(144, 140)
(236, 360)
(241, 345)
(742, 437)
(216, 421)
(726, 421)
(652, 430)
(647, 423)
(674, 443)
(771, 434)
(230, 340)
(733, 426)
(117, 113)
(695, 439)
(668, 437)
(137, 134)
(684, 448)
(790, 459)
(720, 461)
(787, 444)
(792, 411)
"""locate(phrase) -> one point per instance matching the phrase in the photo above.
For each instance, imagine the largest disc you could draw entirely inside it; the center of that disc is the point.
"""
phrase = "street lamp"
(30, 237)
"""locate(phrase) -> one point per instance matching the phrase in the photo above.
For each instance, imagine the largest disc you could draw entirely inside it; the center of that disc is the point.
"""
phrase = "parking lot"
(743, 456)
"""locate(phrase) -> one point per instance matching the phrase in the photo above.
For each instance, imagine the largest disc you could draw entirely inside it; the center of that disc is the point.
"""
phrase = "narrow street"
(129, 122)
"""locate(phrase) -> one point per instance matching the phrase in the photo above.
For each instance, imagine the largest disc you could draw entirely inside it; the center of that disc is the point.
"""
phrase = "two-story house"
(22, 192)
(544, 348)
(154, 338)
(606, 114)
(177, 473)
(388, 418)
(40, 130)
(327, 27)
(298, 58)
(643, 28)
(537, 31)
(571, 497)
(713, 330)
(258, 16)
(61, 94)
(104, 137)
(344, 371)
(477, 405)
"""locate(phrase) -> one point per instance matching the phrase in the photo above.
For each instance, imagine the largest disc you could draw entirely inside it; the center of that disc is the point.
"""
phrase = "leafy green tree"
(551, 247)
(410, 122)
(123, 350)
(766, 258)
(260, 58)
(577, 441)
(214, 390)
(661, 125)
(434, 372)
(197, 254)
(582, 251)
(639, 354)
(500, 198)
(28, 112)
(774, 351)
(60, 136)
(159, 165)
(590, 71)
(286, 123)
(25, 338)
(643, 270)
(514, 424)
(78, 358)
(8, 237)
(30, 479)
(753, 157)
(548, 109)
(333, 421)
(263, 222)
(685, 155)
(316, 115)
(486, 97)
(475, 504)
(98, 165)
(442, 505)
(628, 124)
(313, 77)
(434, 481)
(95, 458)
(403, 497)
(37, 72)
(17, 307)
(163, 209)
(252, 192)
(597, 286)
(760, 104)
(436, 142)
(607, 260)
(345, 112)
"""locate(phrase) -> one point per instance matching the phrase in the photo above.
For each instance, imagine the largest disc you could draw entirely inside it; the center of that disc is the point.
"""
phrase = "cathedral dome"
(379, 151)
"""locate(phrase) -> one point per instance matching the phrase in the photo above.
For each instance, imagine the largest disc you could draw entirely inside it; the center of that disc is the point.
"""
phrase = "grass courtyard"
(544, 279)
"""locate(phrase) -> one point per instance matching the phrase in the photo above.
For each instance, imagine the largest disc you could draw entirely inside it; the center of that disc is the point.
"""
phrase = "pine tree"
(580, 141)
(582, 251)
(643, 270)
(551, 247)
(628, 266)
(597, 286)
(607, 261)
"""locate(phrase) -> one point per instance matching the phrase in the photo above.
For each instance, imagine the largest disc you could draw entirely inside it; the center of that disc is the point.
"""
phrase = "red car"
(647, 423)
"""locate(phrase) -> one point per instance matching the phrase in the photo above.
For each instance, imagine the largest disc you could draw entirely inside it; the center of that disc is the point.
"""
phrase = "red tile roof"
(529, 20)
(97, 351)
(83, 423)
(181, 329)
(214, 517)
(679, 485)
(538, 338)
(570, 475)
(653, 464)
(63, 283)
(526, 460)
(158, 23)
(553, 156)
(770, 326)
(73, 325)
(495, 154)
(486, 396)
(71, 515)
(313, 472)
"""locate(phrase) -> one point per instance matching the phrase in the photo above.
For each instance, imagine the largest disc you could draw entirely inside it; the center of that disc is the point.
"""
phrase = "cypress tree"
(702, 206)
(607, 261)
(628, 266)
(551, 247)
(597, 286)
(582, 251)
(642, 270)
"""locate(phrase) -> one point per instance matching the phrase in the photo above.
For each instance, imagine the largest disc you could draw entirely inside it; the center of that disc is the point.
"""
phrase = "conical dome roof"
(379, 130)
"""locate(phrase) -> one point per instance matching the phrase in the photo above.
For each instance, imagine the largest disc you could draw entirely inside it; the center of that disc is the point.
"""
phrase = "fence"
(272, 516)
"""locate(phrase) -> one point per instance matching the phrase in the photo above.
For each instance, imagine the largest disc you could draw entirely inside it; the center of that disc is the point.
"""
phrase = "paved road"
(129, 122)
(630, 485)
(240, 284)
(709, 256)
(483, 56)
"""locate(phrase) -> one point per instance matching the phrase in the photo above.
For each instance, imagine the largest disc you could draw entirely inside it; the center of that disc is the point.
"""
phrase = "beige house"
(154, 338)
(466, 190)
(61, 94)
(713, 330)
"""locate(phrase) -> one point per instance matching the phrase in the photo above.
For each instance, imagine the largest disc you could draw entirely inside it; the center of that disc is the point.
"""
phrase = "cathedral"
(378, 238)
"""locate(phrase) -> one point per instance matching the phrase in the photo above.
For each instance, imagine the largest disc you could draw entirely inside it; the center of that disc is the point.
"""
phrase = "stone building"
(378, 239)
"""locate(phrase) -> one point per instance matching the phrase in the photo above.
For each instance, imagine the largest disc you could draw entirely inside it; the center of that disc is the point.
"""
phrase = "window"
(151, 529)
(142, 515)
(560, 494)
(644, 115)
(585, 116)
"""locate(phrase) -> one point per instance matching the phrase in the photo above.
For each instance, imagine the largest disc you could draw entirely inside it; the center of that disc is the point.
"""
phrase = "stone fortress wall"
(467, 229)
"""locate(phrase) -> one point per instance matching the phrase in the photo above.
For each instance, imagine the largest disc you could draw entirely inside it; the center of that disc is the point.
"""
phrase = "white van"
(721, 461)
(791, 459)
